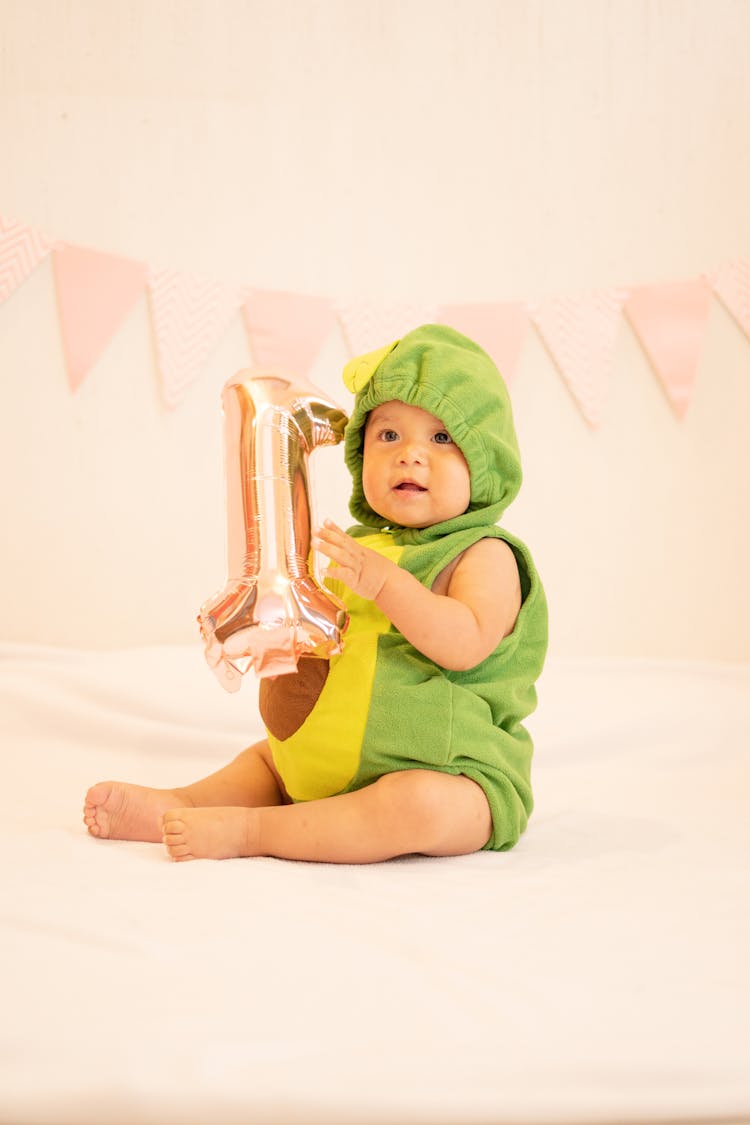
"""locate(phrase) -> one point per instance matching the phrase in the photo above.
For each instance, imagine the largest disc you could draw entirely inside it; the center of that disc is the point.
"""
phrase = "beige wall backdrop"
(425, 150)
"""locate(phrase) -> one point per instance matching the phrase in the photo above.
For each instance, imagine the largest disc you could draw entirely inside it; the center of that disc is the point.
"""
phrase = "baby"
(411, 741)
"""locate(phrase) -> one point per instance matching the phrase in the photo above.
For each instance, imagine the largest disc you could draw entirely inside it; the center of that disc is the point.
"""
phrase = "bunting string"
(97, 291)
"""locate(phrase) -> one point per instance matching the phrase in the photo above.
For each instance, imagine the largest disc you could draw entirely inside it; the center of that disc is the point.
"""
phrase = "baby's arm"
(457, 629)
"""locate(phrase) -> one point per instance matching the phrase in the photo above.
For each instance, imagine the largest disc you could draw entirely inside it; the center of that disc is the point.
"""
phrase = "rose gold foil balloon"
(272, 609)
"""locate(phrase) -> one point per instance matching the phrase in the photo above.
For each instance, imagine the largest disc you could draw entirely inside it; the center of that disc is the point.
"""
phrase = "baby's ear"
(359, 371)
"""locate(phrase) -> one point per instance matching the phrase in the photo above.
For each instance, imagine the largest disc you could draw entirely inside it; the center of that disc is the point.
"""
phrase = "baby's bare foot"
(115, 810)
(216, 833)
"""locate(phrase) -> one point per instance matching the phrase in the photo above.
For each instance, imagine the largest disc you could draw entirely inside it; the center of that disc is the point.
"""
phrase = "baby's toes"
(91, 818)
(174, 836)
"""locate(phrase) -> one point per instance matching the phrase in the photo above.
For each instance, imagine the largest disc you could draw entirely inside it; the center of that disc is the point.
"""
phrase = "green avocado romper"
(386, 707)
(381, 705)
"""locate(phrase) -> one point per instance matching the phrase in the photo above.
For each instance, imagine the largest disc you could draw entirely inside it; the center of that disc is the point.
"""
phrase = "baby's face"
(413, 474)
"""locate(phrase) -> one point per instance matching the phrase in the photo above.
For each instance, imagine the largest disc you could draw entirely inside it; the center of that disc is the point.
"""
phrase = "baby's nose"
(413, 451)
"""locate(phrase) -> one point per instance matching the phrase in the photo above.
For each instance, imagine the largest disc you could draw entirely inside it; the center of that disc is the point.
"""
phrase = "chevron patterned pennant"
(367, 325)
(287, 330)
(670, 322)
(731, 283)
(580, 334)
(499, 328)
(22, 248)
(190, 314)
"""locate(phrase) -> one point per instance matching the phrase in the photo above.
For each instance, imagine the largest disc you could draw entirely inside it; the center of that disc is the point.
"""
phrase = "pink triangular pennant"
(580, 334)
(95, 292)
(670, 322)
(731, 282)
(498, 328)
(189, 314)
(368, 325)
(22, 248)
(287, 330)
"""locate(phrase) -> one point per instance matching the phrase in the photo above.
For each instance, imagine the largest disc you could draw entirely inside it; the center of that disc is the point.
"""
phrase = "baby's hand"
(362, 570)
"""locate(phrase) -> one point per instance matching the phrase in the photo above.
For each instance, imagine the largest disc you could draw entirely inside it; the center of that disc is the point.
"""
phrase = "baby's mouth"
(409, 486)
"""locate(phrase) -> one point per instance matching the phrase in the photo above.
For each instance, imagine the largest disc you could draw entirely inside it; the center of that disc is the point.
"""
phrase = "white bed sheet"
(597, 972)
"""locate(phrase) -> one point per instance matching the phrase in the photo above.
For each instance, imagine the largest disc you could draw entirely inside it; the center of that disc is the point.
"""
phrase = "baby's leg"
(117, 810)
(415, 811)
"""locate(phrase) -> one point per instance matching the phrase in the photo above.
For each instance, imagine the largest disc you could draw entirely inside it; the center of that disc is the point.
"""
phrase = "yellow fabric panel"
(311, 764)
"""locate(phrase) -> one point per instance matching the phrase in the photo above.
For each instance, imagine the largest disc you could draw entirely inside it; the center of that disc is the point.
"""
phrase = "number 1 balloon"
(272, 609)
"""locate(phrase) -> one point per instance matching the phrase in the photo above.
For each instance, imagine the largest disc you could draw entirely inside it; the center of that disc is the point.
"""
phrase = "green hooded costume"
(382, 705)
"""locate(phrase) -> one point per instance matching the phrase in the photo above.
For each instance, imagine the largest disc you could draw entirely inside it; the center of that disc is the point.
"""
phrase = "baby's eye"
(442, 437)
(388, 435)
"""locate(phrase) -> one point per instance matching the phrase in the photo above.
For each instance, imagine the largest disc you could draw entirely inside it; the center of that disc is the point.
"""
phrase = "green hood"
(439, 370)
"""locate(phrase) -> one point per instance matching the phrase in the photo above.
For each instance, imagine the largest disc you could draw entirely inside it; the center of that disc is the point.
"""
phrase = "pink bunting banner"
(287, 330)
(22, 248)
(190, 314)
(368, 325)
(499, 328)
(731, 283)
(95, 292)
(580, 334)
(670, 321)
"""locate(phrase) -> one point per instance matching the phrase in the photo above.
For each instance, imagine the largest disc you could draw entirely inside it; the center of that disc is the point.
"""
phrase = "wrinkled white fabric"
(598, 971)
